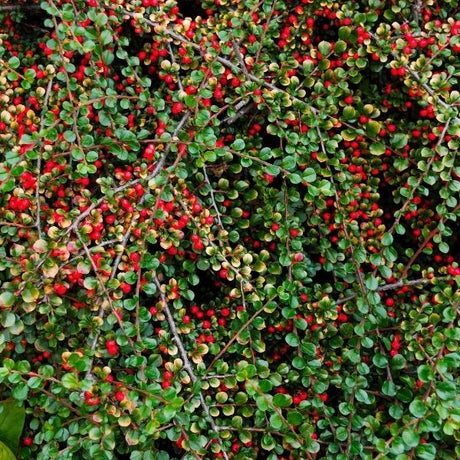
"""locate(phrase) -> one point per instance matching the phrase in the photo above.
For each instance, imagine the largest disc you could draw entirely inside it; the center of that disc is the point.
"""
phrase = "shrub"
(229, 229)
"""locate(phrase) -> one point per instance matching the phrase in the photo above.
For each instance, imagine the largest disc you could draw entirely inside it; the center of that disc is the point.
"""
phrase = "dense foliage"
(229, 229)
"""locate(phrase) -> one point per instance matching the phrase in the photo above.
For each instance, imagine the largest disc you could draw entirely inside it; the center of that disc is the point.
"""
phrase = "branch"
(422, 246)
(397, 285)
(102, 310)
(240, 59)
(39, 164)
(235, 337)
(241, 110)
(419, 181)
(187, 365)
(19, 7)
(417, 10)
(173, 60)
(206, 178)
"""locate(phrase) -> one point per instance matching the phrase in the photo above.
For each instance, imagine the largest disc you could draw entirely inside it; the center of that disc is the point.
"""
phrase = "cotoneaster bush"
(229, 229)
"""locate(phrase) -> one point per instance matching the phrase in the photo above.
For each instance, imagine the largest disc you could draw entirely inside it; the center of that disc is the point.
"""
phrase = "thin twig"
(240, 111)
(173, 60)
(206, 178)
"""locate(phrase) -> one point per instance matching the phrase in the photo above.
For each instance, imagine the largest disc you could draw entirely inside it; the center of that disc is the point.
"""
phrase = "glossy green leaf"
(12, 419)
(5, 452)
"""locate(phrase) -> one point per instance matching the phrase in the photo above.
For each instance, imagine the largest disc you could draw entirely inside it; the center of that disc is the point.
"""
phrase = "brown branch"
(235, 337)
(422, 246)
(211, 190)
(186, 362)
(19, 7)
(39, 164)
(396, 285)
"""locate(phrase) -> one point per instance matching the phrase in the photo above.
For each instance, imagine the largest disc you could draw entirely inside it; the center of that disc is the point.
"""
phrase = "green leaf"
(426, 451)
(341, 433)
(70, 381)
(371, 283)
(349, 113)
(309, 349)
(7, 299)
(352, 355)
(292, 339)
(418, 408)
(340, 46)
(377, 148)
(20, 391)
(8, 319)
(395, 411)
(410, 437)
(324, 48)
(106, 37)
(167, 413)
(399, 140)
(238, 145)
(446, 390)
(344, 32)
(70, 136)
(276, 422)
(14, 62)
(363, 396)
(282, 400)
(295, 418)
(273, 170)
(30, 294)
(5, 452)
(294, 178)
(309, 175)
(268, 442)
(373, 128)
(389, 388)
(289, 162)
(262, 403)
(298, 362)
(387, 239)
(149, 262)
(398, 362)
(11, 424)
(190, 101)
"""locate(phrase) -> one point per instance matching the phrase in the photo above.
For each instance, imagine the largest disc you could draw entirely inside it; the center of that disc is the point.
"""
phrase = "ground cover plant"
(229, 229)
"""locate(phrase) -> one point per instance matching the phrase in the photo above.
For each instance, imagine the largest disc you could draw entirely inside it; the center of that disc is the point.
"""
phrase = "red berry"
(177, 107)
(111, 347)
(60, 289)
(186, 319)
(27, 441)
